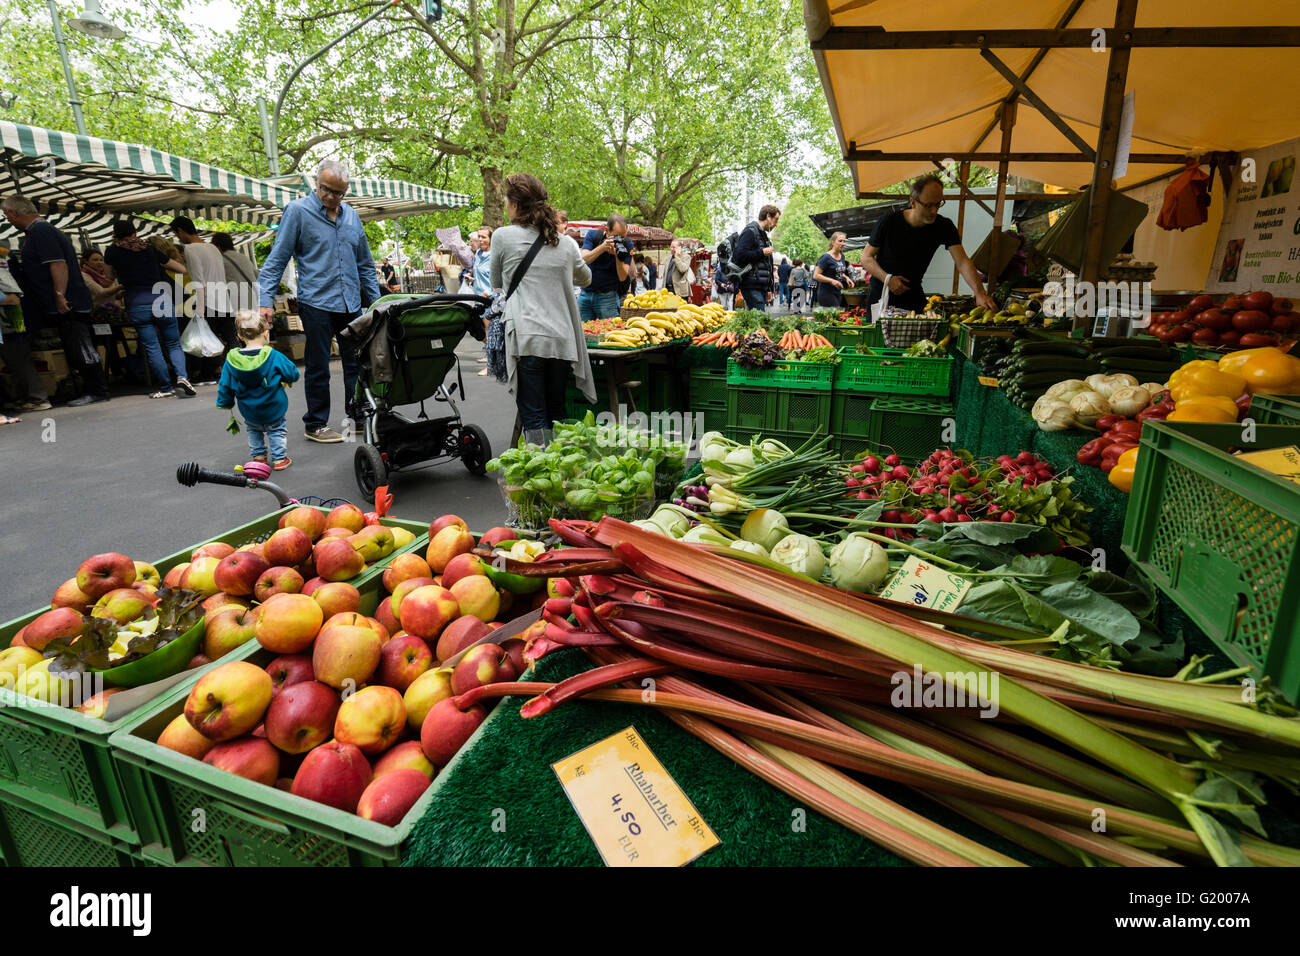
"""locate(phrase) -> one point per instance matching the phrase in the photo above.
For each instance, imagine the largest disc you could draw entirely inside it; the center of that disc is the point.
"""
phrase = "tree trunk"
(494, 196)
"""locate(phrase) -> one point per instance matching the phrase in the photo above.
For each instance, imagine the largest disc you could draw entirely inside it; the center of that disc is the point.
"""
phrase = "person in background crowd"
(754, 249)
(679, 276)
(832, 274)
(544, 337)
(783, 282)
(178, 281)
(903, 243)
(610, 258)
(565, 228)
(797, 282)
(652, 272)
(255, 376)
(241, 272)
(207, 269)
(54, 294)
(482, 246)
(390, 281)
(105, 291)
(16, 346)
(139, 267)
(336, 280)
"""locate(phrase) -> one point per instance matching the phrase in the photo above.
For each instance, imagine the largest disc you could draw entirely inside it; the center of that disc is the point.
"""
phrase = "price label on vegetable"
(632, 808)
(924, 585)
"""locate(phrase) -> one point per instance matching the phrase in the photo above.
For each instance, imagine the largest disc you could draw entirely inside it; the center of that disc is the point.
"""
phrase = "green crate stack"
(851, 414)
(909, 427)
(802, 413)
(1275, 409)
(1221, 537)
(61, 761)
(666, 393)
(31, 835)
(842, 335)
(808, 376)
(708, 397)
(751, 408)
(890, 371)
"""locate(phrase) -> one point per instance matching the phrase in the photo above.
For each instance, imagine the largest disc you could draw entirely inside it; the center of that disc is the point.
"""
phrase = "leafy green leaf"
(1005, 602)
(1092, 611)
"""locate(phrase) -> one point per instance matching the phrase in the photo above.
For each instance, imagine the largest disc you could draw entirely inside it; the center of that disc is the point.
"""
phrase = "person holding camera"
(609, 255)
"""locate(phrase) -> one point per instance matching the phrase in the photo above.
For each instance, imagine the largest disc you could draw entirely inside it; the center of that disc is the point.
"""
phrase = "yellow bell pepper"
(1233, 361)
(1228, 406)
(1190, 367)
(1193, 412)
(1271, 371)
(1121, 476)
(1207, 381)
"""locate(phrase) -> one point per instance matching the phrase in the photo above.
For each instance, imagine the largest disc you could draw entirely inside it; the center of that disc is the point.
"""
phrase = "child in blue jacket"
(256, 377)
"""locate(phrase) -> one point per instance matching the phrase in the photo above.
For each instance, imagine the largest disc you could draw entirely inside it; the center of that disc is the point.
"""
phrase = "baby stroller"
(406, 345)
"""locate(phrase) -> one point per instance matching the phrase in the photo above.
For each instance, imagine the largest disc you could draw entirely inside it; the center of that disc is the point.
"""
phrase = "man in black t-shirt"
(904, 242)
(54, 294)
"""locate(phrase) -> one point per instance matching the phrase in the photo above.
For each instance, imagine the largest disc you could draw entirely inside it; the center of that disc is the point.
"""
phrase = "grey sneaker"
(325, 435)
(35, 406)
(184, 385)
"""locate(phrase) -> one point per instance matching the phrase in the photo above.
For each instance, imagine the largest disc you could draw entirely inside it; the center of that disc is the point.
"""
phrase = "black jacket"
(749, 252)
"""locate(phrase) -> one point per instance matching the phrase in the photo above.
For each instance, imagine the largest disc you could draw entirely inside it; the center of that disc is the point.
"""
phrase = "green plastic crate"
(909, 427)
(708, 387)
(842, 335)
(246, 823)
(973, 342)
(750, 409)
(888, 370)
(819, 376)
(31, 835)
(1222, 538)
(59, 759)
(1275, 409)
(801, 412)
(712, 418)
(851, 414)
(666, 390)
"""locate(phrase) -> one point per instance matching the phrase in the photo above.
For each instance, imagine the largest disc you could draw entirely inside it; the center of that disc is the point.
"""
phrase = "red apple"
(62, 622)
(200, 575)
(402, 660)
(334, 533)
(228, 629)
(357, 619)
(310, 520)
(385, 616)
(337, 560)
(446, 728)
(288, 546)
(250, 757)
(405, 756)
(446, 521)
(478, 596)
(374, 542)
(463, 566)
(214, 549)
(334, 774)
(485, 664)
(238, 573)
(460, 634)
(279, 580)
(337, 597)
(69, 595)
(515, 648)
(346, 516)
(288, 623)
(313, 584)
(494, 536)
(198, 660)
(446, 544)
(307, 568)
(102, 573)
(427, 610)
(229, 701)
(123, 605)
(181, 737)
(301, 716)
(211, 605)
(372, 719)
(172, 579)
(345, 656)
(257, 548)
(96, 705)
(148, 573)
(403, 568)
(425, 691)
(389, 798)
(287, 670)
(402, 590)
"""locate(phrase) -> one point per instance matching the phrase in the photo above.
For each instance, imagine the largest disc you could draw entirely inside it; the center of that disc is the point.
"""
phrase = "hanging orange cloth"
(1187, 198)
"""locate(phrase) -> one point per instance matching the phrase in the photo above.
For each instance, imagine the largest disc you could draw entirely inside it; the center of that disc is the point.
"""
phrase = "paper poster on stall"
(1259, 239)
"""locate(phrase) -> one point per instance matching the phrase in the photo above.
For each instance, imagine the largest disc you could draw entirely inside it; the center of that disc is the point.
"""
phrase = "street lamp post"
(92, 23)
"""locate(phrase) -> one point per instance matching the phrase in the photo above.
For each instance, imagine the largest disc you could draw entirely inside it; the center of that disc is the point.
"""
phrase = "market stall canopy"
(645, 237)
(82, 183)
(898, 103)
(376, 198)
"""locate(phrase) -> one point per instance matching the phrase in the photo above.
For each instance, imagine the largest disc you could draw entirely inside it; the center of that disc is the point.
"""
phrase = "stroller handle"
(192, 473)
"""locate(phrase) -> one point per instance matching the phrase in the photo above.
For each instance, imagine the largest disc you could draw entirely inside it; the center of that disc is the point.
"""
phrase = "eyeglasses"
(340, 193)
(929, 205)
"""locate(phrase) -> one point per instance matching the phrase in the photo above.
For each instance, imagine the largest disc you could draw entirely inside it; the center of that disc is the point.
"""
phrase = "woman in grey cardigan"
(544, 338)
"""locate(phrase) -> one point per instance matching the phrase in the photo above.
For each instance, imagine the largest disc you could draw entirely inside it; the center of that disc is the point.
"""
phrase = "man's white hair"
(19, 204)
(335, 167)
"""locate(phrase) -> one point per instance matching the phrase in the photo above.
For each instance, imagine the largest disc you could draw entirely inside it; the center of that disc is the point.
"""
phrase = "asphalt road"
(80, 481)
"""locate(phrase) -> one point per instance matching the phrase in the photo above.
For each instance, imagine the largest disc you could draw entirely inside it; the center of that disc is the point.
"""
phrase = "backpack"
(729, 271)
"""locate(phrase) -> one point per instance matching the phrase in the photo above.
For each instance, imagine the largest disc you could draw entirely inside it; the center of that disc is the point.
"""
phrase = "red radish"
(947, 515)
(1008, 517)
(963, 517)
(853, 482)
(893, 460)
(858, 468)
(871, 463)
(901, 472)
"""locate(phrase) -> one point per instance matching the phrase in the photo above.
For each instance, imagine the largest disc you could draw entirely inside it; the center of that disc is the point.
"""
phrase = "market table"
(617, 359)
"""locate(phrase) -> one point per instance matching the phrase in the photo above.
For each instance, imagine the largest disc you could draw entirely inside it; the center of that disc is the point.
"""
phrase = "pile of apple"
(355, 712)
(105, 586)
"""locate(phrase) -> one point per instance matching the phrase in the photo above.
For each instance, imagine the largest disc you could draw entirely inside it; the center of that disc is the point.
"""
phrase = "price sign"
(988, 380)
(920, 583)
(632, 808)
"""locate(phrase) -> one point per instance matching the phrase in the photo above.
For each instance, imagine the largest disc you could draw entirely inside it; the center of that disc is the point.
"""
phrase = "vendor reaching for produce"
(903, 243)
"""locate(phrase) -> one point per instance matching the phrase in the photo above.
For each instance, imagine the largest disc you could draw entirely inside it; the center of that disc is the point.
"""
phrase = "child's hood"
(242, 362)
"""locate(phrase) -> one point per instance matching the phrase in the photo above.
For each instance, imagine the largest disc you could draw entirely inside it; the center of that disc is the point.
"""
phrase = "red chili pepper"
(1090, 453)
(1107, 422)
(1157, 412)
(1129, 430)
(1114, 450)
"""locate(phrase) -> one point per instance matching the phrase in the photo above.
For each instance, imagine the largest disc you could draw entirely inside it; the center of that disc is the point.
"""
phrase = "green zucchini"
(1045, 379)
(1137, 352)
(1050, 348)
(1112, 341)
(1139, 369)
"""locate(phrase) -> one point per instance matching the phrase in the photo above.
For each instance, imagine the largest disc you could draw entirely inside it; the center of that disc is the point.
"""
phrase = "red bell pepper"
(1126, 431)
(1107, 422)
(1243, 406)
(1114, 450)
(1158, 411)
(1090, 453)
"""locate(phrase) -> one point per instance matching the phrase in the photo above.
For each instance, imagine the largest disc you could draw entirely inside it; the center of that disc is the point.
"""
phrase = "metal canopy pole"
(999, 204)
(964, 178)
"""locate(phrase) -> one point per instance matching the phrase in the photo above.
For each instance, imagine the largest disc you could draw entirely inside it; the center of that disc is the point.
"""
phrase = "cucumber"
(1140, 369)
(1047, 379)
(1060, 363)
(1050, 348)
(1136, 352)
(1112, 341)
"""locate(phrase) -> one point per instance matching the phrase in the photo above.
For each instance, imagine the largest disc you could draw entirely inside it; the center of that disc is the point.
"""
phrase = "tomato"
(1205, 337)
(1285, 321)
(1261, 300)
(1231, 337)
(1201, 303)
(1250, 320)
(1179, 333)
(1234, 303)
(1281, 305)
(1166, 334)
(1258, 340)
(1216, 319)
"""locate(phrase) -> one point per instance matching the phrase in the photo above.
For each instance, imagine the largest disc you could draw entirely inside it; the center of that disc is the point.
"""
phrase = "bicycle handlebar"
(193, 473)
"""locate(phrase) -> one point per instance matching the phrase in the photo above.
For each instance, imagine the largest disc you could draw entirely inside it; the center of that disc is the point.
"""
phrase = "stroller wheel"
(474, 449)
(370, 470)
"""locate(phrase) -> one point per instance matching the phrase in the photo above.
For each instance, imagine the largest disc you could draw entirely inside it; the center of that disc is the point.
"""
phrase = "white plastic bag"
(199, 340)
(880, 306)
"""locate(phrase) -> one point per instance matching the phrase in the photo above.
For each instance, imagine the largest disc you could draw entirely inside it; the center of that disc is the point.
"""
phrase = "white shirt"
(207, 269)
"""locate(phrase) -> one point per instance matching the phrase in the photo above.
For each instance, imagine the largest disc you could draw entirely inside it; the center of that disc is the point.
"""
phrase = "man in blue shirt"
(482, 245)
(610, 259)
(783, 281)
(336, 280)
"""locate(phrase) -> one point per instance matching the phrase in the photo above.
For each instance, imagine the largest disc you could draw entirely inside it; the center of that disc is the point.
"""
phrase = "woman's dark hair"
(87, 253)
(798, 263)
(123, 229)
(531, 208)
(223, 241)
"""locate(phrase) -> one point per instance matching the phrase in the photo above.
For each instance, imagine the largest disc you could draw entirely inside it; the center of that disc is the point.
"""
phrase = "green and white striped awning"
(376, 198)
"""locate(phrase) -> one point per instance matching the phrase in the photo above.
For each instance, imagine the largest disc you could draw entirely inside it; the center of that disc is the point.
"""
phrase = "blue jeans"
(598, 305)
(783, 293)
(154, 324)
(260, 436)
(321, 326)
(755, 299)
